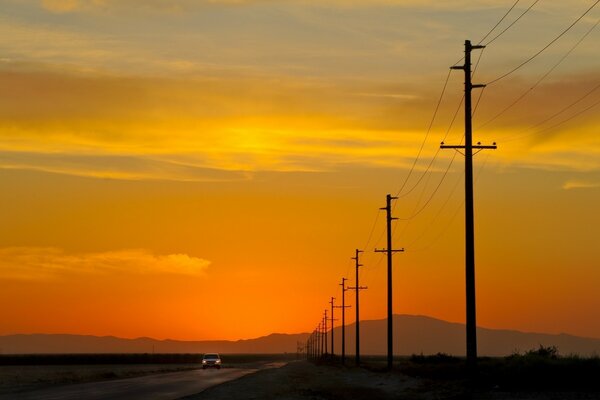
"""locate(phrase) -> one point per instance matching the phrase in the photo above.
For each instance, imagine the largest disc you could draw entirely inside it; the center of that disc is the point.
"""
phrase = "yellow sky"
(204, 170)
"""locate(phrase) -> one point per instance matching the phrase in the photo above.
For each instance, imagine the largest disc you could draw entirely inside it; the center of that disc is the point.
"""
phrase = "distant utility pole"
(316, 343)
(332, 319)
(390, 251)
(469, 219)
(358, 288)
(343, 307)
(320, 339)
(325, 330)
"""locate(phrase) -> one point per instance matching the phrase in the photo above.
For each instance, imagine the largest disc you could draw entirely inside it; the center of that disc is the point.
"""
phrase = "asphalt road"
(168, 386)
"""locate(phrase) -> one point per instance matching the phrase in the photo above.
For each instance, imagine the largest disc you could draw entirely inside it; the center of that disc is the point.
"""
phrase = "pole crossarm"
(493, 146)
(386, 250)
(357, 288)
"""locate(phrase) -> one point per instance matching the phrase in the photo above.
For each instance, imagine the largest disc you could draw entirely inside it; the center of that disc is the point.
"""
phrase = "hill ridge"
(413, 334)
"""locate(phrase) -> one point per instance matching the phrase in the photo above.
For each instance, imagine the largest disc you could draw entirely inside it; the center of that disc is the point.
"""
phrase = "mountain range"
(412, 335)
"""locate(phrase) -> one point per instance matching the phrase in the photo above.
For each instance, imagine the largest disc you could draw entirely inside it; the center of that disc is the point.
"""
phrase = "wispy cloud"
(41, 263)
(124, 167)
(125, 98)
(576, 184)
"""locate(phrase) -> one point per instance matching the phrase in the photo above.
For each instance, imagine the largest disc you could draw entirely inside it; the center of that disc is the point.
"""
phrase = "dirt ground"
(303, 380)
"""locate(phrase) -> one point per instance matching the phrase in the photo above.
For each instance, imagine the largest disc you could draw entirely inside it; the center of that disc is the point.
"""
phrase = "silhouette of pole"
(332, 319)
(313, 345)
(469, 218)
(343, 307)
(316, 344)
(390, 251)
(358, 288)
(319, 342)
(325, 330)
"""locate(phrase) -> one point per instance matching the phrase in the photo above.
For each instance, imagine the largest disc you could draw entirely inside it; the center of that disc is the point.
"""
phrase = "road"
(168, 386)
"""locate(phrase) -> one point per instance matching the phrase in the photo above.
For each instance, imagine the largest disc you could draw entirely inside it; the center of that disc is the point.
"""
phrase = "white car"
(211, 360)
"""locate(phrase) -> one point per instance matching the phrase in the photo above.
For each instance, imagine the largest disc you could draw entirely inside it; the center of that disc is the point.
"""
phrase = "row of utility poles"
(318, 333)
(316, 346)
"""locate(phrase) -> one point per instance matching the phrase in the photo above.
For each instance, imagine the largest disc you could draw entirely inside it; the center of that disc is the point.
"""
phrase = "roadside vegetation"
(538, 370)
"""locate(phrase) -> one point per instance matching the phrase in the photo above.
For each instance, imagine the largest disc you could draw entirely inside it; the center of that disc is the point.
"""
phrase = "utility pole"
(320, 339)
(469, 217)
(343, 307)
(325, 330)
(390, 252)
(316, 344)
(332, 319)
(358, 288)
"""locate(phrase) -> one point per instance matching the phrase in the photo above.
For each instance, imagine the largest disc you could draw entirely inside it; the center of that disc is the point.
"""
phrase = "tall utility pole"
(390, 252)
(469, 223)
(358, 288)
(332, 319)
(343, 307)
(325, 330)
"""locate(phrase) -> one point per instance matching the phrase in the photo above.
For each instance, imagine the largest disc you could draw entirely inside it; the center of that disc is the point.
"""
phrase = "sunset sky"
(204, 169)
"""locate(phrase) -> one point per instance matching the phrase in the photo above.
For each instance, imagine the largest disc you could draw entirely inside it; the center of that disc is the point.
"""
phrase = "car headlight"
(203, 361)
(218, 361)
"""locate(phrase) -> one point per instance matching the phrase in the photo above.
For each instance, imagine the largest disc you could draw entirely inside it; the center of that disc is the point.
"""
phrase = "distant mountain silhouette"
(58, 344)
(412, 335)
(415, 334)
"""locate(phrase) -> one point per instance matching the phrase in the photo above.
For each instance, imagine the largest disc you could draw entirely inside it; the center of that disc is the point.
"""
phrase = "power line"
(436, 216)
(498, 23)
(478, 100)
(518, 99)
(559, 123)
(514, 22)
(545, 47)
(456, 211)
(556, 114)
(372, 230)
(434, 191)
(437, 107)
(445, 136)
(428, 201)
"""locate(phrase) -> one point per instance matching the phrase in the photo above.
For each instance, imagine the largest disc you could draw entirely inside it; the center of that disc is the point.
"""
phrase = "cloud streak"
(578, 184)
(43, 263)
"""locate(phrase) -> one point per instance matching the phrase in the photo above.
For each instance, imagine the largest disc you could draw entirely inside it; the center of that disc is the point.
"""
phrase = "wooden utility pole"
(332, 319)
(358, 288)
(469, 218)
(325, 330)
(390, 252)
(343, 307)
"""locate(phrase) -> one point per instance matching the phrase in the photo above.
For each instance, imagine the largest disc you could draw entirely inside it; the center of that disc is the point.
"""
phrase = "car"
(211, 360)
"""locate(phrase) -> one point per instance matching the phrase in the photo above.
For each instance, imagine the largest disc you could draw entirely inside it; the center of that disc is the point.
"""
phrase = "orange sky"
(205, 170)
